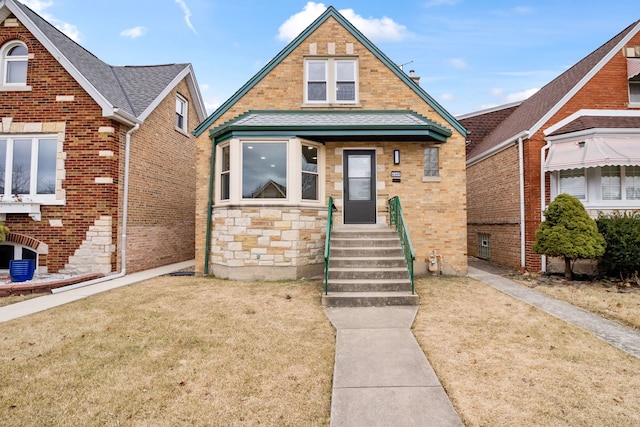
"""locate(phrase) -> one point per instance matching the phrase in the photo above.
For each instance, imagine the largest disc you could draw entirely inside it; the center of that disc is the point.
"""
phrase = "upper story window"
(181, 113)
(14, 64)
(331, 81)
(28, 166)
(634, 89)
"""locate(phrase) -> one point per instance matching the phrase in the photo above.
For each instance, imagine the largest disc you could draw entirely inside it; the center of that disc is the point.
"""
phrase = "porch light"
(396, 157)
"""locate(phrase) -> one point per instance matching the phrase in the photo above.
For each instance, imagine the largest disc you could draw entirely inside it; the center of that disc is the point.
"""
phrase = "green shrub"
(568, 232)
(622, 233)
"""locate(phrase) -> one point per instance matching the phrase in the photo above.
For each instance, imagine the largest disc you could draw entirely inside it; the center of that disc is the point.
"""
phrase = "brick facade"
(436, 211)
(496, 177)
(90, 173)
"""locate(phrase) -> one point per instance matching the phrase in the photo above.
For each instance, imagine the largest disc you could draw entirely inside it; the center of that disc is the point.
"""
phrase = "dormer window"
(331, 81)
(14, 64)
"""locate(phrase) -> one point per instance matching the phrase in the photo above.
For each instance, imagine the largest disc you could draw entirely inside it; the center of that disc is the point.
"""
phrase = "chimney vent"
(412, 76)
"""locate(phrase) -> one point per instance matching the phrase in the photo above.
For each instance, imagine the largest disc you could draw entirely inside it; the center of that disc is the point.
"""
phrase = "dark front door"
(359, 186)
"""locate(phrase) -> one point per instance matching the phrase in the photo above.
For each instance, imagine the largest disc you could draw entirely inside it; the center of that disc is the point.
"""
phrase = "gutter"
(543, 195)
(125, 211)
(207, 243)
(523, 258)
(497, 148)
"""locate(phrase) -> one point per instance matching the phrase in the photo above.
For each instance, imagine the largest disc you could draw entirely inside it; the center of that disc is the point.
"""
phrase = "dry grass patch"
(12, 299)
(505, 363)
(172, 351)
(620, 306)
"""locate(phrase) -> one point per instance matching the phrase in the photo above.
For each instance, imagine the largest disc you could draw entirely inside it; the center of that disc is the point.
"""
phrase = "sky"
(470, 54)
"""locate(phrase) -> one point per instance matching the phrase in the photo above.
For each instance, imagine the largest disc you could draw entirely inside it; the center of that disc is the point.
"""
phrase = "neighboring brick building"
(580, 134)
(328, 110)
(68, 120)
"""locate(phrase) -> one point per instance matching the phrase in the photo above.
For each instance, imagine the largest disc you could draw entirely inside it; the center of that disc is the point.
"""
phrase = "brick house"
(97, 161)
(328, 116)
(580, 134)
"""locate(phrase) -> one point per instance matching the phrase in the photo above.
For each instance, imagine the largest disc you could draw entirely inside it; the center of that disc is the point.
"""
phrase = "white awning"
(593, 152)
(633, 67)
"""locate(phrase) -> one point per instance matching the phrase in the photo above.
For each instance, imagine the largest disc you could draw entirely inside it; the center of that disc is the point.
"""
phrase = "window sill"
(16, 88)
(633, 105)
(332, 105)
(182, 131)
(431, 179)
(28, 206)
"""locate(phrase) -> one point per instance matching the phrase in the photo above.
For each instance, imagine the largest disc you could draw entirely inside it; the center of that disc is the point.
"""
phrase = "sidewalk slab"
(381, 375)
(626, 339)
(80, 291)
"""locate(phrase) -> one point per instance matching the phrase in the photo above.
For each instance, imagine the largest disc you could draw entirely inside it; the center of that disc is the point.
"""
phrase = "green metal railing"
(396, 217)
(327, 244)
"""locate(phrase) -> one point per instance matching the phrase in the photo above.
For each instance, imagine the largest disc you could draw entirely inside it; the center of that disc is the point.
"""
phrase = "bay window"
(269, 172)
(264, 170)
(605, 187)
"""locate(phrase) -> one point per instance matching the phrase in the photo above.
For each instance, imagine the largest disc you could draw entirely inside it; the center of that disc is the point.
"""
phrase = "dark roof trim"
(330, 12)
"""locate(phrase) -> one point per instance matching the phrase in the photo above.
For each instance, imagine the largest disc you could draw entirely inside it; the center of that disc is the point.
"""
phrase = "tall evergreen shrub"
(622, 234)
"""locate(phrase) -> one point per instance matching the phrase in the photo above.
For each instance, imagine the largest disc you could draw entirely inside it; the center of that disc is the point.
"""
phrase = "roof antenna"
(406, 63)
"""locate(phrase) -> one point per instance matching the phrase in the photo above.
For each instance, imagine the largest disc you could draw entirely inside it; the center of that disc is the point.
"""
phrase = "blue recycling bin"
(21, 270)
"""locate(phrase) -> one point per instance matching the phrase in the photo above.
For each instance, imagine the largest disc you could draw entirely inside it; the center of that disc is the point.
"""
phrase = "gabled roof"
(331, 125)
(482, 123)
(127, 94)
(331, 12)
(535, 111)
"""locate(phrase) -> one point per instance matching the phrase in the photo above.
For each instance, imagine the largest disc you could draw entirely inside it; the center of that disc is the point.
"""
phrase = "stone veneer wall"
(94, 255)
(248, 242)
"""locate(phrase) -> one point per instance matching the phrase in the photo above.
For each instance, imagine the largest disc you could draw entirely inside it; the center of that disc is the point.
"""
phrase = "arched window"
(14, 63)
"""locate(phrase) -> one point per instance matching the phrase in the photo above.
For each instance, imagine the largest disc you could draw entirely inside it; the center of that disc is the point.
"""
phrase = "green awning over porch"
(331, 125)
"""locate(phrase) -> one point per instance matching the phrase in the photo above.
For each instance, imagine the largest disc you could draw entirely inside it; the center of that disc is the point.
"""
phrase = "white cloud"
(496, 91)
(519, 96)
(40, 6)
(457, 63)
(187, 14)
(375, 28)
(134, 32)
(447, 97)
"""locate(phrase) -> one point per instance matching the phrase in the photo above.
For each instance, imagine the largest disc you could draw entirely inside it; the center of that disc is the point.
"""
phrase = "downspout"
(207, 244)
(523, 258)
(543, 195)
(125, 211)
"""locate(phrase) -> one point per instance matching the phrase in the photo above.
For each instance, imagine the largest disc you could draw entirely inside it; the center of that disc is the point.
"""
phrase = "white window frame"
(331, 80)
(584, 180)
(634, 90)
(294, 173)
(315, 173)
(181, 104)
(6, 60)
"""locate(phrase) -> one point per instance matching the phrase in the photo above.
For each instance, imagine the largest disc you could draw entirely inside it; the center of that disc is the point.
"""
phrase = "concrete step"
(374, 252)
(344, 242)
(369, 299)
(378, 233)
(369, 273)
(359, 285)
(367, 262)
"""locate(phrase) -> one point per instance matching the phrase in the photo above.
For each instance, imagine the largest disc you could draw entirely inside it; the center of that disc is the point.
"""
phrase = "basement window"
(484, 246)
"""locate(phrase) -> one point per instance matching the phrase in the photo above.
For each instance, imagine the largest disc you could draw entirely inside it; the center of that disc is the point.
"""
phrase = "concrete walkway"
(83, 290)
(381, 375)
(624, 338)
